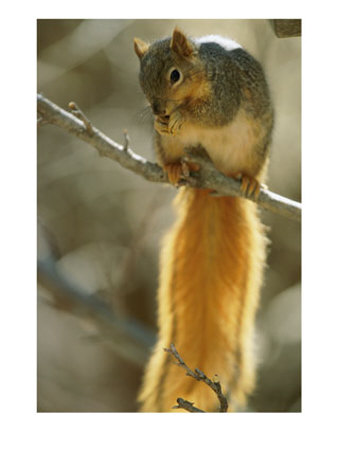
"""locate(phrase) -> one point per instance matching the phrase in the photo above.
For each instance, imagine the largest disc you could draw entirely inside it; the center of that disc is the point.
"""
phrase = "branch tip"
(77, 112)
(72, 105)
(126, 140)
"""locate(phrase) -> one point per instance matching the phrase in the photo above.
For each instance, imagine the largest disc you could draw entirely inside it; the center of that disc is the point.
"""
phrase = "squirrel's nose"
(158, 108)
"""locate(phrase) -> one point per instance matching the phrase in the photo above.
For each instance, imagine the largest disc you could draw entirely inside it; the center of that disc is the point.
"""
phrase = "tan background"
(103, 224)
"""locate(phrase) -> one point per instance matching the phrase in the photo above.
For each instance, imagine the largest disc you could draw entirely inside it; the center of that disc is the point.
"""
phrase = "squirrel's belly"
(231, 146)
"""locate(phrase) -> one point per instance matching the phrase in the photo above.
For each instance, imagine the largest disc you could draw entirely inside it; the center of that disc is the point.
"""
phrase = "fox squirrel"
(207, 92)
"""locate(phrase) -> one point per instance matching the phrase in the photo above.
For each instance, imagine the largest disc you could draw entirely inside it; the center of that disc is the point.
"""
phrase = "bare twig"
(198, 375)
(126, 141)
(188, 406)
(215, 385)
(208, 177)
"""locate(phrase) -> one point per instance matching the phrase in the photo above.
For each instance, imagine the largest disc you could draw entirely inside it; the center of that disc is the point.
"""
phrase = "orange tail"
(211, 272)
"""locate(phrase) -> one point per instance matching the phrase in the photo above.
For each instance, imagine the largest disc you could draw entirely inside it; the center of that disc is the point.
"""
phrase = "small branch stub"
(80, 115)
(126, 141)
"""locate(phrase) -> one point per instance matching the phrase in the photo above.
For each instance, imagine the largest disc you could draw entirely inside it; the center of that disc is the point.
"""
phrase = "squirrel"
(207, 92)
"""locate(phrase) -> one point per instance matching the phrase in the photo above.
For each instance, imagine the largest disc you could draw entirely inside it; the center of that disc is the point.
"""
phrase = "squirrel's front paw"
(169, 124)
(175, 122)
(161, 125)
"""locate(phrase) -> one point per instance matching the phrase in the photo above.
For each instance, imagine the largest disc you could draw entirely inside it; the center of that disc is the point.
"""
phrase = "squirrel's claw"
(175, 172)
(250, 187)
(179, 170)
(175, 123)
(169, 124)
(161, 126)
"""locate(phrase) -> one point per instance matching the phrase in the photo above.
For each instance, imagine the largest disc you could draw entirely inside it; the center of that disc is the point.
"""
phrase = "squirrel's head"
(170, 71)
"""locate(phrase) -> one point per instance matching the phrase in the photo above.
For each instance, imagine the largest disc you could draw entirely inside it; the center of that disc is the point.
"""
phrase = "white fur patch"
(229, 147)
(226, 43)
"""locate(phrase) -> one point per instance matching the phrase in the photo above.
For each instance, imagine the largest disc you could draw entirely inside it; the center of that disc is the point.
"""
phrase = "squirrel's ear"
(140, 47)
(180, 44)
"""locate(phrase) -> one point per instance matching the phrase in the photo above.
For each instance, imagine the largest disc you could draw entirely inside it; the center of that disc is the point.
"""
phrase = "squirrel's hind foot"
(250, 187)
(179, 170)
(176, 171)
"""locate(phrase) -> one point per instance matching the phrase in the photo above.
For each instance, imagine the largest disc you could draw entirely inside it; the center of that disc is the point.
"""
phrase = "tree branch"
(198, 375)
(207, 177)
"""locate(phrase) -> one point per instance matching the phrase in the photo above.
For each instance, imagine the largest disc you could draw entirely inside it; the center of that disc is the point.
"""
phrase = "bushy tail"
(210, 277)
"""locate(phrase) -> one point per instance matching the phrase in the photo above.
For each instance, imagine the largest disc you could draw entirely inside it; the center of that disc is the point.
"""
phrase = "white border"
(21, 425)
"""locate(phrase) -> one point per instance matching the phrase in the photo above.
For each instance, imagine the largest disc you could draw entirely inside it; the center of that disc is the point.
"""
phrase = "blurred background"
(99, 225)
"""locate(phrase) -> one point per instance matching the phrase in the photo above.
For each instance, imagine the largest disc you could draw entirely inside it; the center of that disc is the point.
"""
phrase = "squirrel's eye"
(175, 76)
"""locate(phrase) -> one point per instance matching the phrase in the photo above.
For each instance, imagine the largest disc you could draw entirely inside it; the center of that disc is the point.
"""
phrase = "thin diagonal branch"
(198, 375)
(207, 177)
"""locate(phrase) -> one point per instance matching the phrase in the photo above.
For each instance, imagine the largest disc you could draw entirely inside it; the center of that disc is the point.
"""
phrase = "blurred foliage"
(104, 224)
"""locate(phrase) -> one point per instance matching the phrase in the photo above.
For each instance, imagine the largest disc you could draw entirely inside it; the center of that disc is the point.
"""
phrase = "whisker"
(144, 115)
